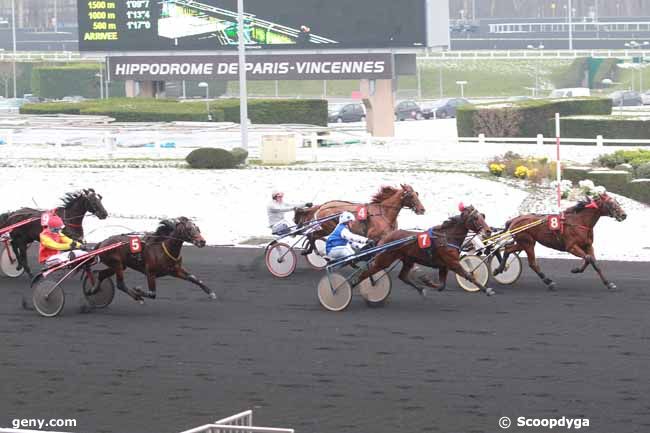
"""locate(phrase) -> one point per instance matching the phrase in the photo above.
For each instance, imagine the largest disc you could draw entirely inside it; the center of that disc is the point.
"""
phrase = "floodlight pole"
(243, 94)
(570, 26)
(13, 33)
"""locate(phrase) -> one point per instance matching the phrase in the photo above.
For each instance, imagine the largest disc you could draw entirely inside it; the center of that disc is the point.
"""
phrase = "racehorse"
(381, 212)
(441, 250)
(156, 255)
(74, 207)
(575, 235)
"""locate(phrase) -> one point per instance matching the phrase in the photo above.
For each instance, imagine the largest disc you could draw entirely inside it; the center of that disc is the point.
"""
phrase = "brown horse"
(156, 255)
(72, 212)
(576, 236)
(382, 212)
(443, 253)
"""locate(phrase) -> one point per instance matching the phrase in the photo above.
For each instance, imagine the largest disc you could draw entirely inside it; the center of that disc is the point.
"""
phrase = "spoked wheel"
(316, 258)
(477, 268)
(281, 260)
(511, 272)
(376, 289)
(104, 295)
(48, 299)
(334, 292)
(9, 263)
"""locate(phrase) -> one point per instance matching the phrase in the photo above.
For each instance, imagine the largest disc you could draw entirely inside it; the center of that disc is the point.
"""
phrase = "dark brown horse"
(72, 212)
(443, 253)
(155, 255)
(576, 235)
(382, 212)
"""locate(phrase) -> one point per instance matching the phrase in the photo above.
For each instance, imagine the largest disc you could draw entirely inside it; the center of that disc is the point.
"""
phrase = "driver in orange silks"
(55, 247)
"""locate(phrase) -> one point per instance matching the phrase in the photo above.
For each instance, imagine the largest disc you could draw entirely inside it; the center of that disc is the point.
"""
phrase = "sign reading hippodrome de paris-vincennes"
(258, 67)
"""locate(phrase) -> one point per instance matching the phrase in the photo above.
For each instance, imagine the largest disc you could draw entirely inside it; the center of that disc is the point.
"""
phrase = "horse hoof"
(424, 293)
(611, 286)
(575, 270)
(213, 296)
(490, 292)
(83, 309)
(25, 305)
(552, 286)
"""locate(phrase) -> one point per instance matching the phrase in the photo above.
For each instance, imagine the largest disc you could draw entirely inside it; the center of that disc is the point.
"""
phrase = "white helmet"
(346, 217)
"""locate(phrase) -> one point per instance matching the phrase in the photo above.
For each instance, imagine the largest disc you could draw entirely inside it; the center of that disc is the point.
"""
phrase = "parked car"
(570, 92)
(442, 108)
(31, 99)
(645, 97)
(626, 98)
(340, 113)
(408, 110)
(74, 99)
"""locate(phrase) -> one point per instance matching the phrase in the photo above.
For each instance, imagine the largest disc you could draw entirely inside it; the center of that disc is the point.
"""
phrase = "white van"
(572, 92)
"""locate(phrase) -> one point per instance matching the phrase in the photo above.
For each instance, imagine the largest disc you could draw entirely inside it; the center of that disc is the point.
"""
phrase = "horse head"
(189, 232)
(610, 207)
(473, 220)
(94, 203)
(411, 199)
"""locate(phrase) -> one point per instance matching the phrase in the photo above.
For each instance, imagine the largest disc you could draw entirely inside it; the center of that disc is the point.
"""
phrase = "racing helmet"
(346, 217)
(55, 222)
(276, 194)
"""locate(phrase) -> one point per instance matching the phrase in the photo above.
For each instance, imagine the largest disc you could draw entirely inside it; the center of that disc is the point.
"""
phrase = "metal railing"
(241, 422)
(532, 54)
(540, 139)
(578, 26)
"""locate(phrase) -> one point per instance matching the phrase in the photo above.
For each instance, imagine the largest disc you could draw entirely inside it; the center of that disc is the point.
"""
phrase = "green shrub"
(166, 110)
(211, 158)
(612, 127)
(58, 81)
(524, 118)
(643, 171)
(638, 190)
(633, 157)
(615, 181)
(575, 174)
(240, 155)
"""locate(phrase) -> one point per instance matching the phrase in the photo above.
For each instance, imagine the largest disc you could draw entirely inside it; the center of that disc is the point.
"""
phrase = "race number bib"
(135, 245)
(424, 240)
(554, 223)
(45, 219)
(362, 213)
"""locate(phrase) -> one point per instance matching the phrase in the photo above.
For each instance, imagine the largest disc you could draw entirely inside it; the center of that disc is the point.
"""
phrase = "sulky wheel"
(316, 258)
(334, 292)
(376, 289)
(48, 298)
(511, 272)
(104, 295)
(474, 265)
(281, 260)
(9, 263)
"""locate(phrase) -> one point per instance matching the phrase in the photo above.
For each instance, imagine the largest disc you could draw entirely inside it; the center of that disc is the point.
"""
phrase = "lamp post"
(243, 94)
(206, 86)
(570, 25)
(537, 48)
(462, 87)
(13, 34)
(101, 83)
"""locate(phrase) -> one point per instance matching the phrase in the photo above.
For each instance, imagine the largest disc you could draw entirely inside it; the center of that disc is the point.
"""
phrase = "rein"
(168, 254)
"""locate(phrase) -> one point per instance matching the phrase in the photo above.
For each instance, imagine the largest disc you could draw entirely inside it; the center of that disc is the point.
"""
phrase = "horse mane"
(4, 217)
(580, 206)
(451, 221)
(384, 193)
(165, 228)
(71, 197)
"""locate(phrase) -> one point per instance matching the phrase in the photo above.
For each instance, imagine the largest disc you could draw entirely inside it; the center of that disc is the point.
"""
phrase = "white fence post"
(599, 141)
(481, 139)
(540, 139)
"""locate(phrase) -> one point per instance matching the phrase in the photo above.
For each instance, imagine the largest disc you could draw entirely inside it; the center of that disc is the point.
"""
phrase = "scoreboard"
(211, 25)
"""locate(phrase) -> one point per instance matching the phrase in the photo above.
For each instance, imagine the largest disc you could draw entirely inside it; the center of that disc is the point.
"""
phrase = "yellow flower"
(522, 172)
(497, 169)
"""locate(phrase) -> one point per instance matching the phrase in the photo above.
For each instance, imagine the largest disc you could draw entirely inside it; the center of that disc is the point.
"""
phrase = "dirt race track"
(453, 363)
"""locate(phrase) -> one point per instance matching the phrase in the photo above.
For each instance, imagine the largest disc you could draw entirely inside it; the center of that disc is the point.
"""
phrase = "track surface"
(455, 362)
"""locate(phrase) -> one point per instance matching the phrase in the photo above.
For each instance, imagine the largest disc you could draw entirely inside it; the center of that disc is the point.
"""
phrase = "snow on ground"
(229, 206)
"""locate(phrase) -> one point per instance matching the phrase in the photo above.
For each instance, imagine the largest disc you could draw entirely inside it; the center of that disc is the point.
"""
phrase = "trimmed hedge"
(638, 190)
(211, 158)
(274, 111)
(55, 82)
(613, 127)
(240, 155)
(524, 118)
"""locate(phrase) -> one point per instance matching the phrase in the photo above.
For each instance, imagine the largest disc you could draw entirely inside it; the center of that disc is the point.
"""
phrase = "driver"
(342, 242)
(56, 247)
(276, 211)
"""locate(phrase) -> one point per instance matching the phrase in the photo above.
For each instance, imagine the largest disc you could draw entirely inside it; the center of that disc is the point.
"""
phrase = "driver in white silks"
(276, 211)
(342, 242)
